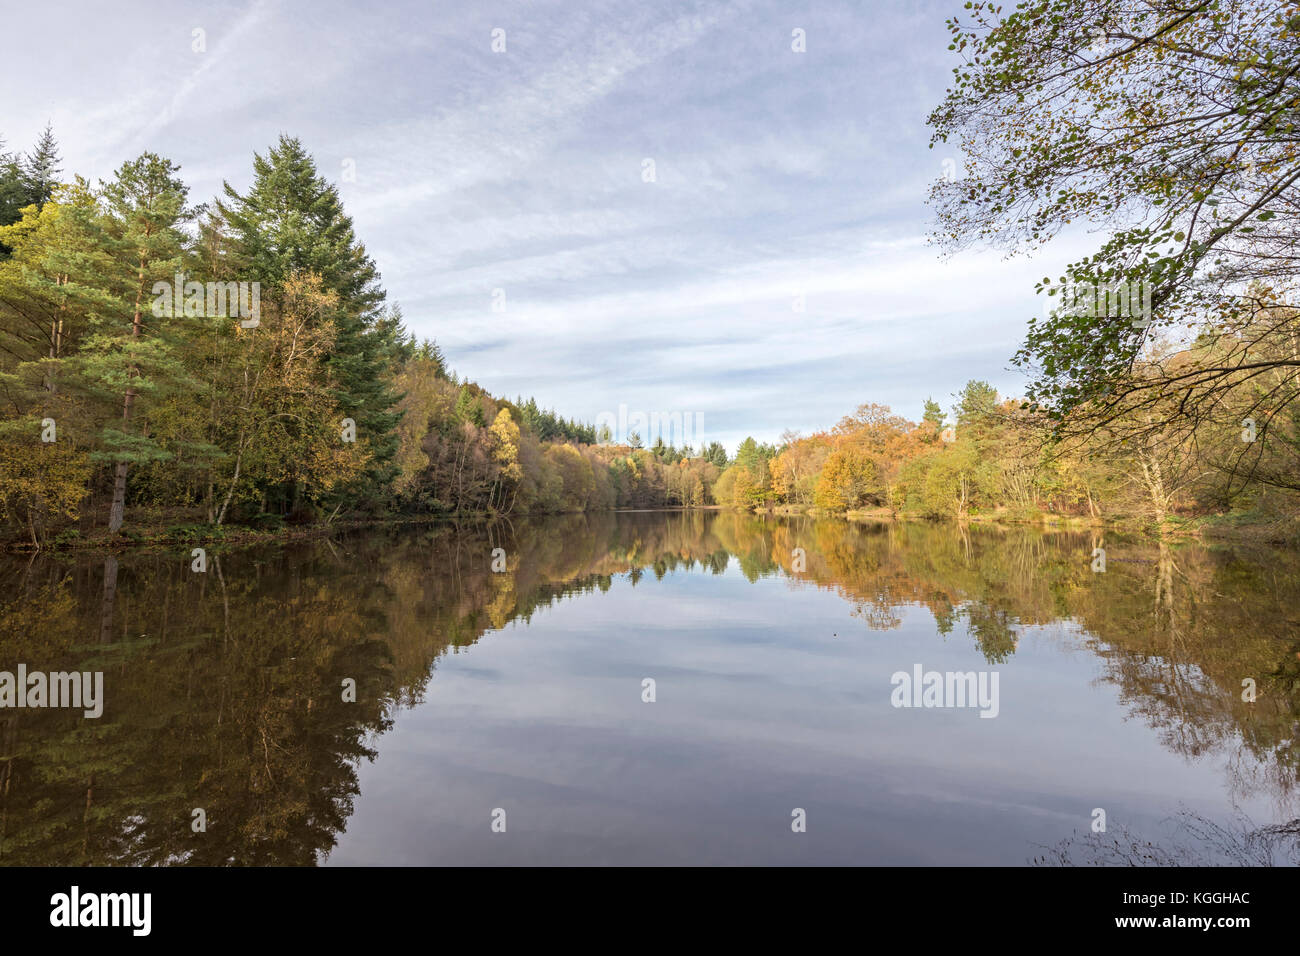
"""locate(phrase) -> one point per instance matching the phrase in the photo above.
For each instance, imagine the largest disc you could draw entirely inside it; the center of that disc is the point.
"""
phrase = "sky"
(662, 207)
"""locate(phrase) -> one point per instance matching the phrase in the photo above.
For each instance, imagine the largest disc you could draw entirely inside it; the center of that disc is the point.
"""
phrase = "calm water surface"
(521, 692)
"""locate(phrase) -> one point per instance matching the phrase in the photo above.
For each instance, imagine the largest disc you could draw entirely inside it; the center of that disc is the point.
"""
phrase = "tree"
(27, 180)
(425, 404)
(754, 456)
(933, 418)
(39, 329)
(469, 408)
(505, 437)
(13, 191)
(794, 470)
(975, 403)
(429, 351)
(1257, 427)
(40, 169)
(137, 240)
(291, 221)
(753, 481)
(1173, 124)
(39, 481)
(847, 480)
(943, 481)
(1163, 469)
(276, 401)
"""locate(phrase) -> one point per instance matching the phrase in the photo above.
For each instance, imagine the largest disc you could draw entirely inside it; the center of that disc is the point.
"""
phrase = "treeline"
(237, 362)
(462, 450)
(994, 456)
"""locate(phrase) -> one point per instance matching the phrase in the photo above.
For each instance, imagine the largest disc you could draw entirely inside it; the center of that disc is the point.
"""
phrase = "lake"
(659, 688)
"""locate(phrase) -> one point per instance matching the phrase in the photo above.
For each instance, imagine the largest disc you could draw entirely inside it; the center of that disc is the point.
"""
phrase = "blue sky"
(779, 177)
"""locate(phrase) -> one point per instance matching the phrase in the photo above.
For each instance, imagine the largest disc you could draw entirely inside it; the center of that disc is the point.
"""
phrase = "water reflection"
(223, 693)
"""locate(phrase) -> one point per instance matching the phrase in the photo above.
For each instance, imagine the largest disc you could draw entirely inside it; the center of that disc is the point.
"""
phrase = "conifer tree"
(130, 352)
(933, 414)
(290, 221)
(12, 194)
(40, 169)
(716, 453)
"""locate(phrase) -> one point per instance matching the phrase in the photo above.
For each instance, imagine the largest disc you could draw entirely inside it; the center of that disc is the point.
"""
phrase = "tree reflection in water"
(224, 687)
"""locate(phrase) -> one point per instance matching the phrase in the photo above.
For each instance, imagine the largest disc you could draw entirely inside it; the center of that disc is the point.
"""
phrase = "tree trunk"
(230, 492)
(110, 597)
(117, 511)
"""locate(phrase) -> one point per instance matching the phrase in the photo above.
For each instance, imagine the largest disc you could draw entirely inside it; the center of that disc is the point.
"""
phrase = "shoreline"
(1208, 529)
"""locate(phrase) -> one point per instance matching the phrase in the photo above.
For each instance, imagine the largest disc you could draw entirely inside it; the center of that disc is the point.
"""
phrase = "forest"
(994, 457)
(236, 362)
(171, 368)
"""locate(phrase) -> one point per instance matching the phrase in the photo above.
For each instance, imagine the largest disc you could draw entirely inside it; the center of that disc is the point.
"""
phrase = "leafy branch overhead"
(1173, 127)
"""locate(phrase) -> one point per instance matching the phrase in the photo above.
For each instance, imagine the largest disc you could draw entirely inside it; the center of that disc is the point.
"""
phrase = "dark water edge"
(521, 691)
(1243, 531)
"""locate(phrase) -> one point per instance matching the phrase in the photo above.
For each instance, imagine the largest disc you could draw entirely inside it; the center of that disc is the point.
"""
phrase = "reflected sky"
(769, 697)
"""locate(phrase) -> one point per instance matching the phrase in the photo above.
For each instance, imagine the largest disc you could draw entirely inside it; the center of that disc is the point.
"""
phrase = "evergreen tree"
(975, 402)
(716, 453)
(933, 414)
(13, 195)
(749, 455)
(469, 407)
(136, 234)
(27, 180)
(430, 351)
(291, 221)
(40, 169)
(40, 481)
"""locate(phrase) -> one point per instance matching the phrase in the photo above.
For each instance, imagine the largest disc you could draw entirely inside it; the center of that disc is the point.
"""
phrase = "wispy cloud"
(776, 174)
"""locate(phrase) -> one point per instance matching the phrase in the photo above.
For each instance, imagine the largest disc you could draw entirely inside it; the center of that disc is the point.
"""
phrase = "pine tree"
(38, 480)
(136, 239)
(975, 402)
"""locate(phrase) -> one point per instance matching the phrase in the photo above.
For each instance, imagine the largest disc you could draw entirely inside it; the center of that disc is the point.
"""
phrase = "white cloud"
(776, 173)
